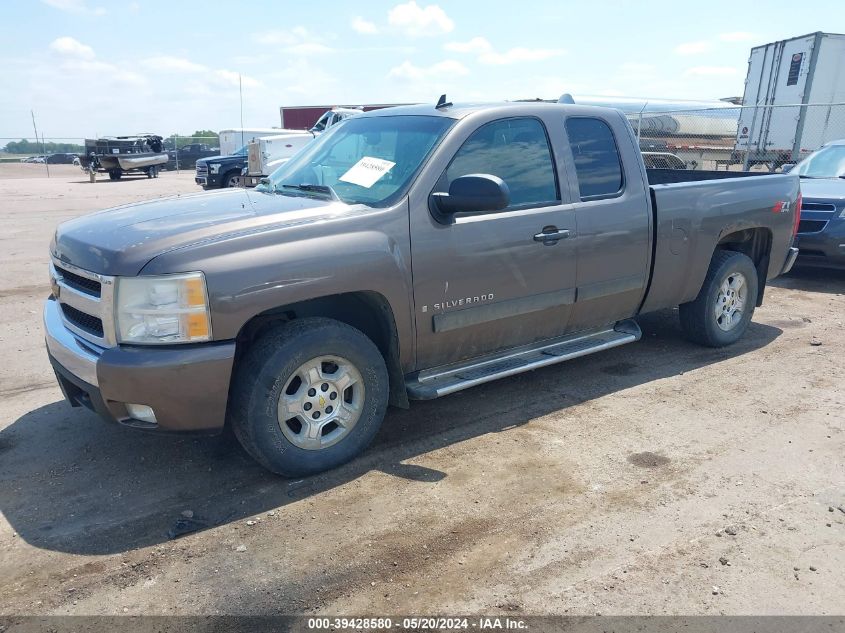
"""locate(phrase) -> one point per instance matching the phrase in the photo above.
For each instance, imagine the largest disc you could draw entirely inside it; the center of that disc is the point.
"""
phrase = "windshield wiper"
(320, 189)
(806, 176)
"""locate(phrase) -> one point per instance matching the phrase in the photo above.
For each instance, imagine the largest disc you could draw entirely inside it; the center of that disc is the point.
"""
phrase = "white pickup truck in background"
(267, 153)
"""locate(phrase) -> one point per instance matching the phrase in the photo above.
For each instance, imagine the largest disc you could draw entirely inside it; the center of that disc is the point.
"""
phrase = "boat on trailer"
(117, 155)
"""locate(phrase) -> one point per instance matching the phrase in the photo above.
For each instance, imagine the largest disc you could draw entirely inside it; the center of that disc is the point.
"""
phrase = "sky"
(107, 67)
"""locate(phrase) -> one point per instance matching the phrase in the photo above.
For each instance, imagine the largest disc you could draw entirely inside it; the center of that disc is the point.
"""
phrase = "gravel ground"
(658, 478)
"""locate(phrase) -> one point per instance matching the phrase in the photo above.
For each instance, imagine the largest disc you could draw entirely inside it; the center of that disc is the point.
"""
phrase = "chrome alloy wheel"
(321, 402)
(730, 302)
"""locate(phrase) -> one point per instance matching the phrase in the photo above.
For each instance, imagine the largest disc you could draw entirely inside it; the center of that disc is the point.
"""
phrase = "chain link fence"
(182, 151)
(763, 137)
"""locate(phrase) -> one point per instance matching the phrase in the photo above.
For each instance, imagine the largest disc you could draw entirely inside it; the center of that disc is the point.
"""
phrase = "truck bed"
(693, 211)
(670, 176)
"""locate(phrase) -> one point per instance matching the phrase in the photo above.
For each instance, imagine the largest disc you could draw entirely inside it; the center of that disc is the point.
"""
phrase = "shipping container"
(774, 127)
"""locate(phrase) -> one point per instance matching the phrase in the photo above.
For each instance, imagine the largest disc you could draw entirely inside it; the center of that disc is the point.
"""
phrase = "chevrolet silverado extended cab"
(406, 254)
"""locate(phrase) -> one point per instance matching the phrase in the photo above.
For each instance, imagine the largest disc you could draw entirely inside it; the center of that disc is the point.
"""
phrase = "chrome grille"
(808, 205)
(84, 321)
(202, 169)
(86, 301)
(91, 286)
(811, 226)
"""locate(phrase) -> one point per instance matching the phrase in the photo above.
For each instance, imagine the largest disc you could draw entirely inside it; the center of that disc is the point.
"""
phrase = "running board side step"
(433, 384)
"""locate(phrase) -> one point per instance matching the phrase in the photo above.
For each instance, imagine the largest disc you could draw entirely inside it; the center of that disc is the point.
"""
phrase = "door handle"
(551, 235)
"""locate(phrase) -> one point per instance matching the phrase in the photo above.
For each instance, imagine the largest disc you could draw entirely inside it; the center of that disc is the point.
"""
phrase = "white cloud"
(365, 27)
(297, 41)
(232, 78)
(692, 48)
(711, 71)
(637, 68)
(309, 48)
(286, 37)
(520, 54)
(417, 21)
(74, 6)
(738, 36)
(488, 55)
(442, 70)
(72, 48)
(475, 45)
(167, 63)
(92, 67)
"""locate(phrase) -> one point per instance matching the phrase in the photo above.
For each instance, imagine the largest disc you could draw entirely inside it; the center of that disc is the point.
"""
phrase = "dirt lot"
(657, 478)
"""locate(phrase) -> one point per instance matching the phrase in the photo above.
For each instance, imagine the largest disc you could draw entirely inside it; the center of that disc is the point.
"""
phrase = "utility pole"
(43, 150)
(241, 92)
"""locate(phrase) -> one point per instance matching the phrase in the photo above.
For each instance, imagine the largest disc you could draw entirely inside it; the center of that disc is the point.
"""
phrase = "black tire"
(263, 374)
(227, 180)
(115, 174)
(698, 318)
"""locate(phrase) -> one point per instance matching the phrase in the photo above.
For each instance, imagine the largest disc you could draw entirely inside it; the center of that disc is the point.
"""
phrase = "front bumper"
(825, 248)
(187, 386)
(250, 181)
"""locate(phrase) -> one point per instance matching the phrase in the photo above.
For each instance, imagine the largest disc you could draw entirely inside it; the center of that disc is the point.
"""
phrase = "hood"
(121, 241)
(832, 189)
(234, 158)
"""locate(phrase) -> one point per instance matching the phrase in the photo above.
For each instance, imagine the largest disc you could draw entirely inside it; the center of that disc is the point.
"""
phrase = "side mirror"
(787, 167)
(473, 193)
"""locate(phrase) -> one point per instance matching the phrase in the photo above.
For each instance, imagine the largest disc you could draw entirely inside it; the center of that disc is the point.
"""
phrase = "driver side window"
(515, 150)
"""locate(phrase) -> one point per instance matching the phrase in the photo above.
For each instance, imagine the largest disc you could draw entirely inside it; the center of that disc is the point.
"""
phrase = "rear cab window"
(597, 164)
(517, 151)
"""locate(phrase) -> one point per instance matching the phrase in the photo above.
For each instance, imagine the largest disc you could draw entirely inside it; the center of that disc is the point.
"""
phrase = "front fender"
(249, 275)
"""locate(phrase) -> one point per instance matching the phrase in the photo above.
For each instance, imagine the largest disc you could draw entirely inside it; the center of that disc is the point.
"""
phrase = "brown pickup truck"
(407, 253)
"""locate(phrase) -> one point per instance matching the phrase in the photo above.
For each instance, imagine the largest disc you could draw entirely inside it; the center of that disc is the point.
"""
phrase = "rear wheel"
(115, 174)
(721, 312)
(309, 396)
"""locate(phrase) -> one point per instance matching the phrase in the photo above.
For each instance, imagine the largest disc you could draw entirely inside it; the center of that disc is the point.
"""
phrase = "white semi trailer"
(794, 99)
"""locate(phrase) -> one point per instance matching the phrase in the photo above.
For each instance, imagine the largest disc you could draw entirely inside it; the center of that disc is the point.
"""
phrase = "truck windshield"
(828, 162)
(367, 160)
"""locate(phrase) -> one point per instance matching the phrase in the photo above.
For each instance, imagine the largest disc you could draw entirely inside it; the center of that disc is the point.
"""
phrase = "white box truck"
(774, 127)
(233, 139)
(266, 153)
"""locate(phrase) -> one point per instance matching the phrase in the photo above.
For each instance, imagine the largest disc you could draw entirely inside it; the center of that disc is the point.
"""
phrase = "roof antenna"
(442, 103)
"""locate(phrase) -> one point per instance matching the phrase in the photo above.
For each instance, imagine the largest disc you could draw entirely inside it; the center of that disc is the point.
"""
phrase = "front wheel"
(309, 396)
(721, 312)
(231, 179)
(115, 174)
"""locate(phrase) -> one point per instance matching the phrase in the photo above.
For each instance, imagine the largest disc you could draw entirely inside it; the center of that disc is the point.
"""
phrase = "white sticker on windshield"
(367, 171)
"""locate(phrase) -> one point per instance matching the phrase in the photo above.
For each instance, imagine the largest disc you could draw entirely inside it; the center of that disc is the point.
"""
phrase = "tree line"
(37, 147)
(32, 147)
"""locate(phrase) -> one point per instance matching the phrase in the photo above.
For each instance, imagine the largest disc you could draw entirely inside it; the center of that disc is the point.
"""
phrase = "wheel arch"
(756, 243)
(368, 311)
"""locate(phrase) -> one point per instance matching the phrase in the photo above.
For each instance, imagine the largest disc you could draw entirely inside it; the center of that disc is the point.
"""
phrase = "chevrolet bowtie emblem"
(322, 401)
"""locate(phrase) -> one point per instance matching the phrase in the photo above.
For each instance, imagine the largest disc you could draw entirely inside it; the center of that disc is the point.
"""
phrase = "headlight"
(214, 168)
(162, 309)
